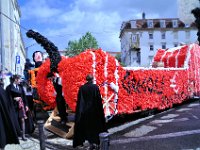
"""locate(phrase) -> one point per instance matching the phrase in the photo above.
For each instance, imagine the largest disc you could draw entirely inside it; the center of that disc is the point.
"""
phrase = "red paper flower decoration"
(140, 89)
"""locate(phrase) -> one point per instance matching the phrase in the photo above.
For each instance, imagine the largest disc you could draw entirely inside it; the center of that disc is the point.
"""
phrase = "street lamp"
(26, 48)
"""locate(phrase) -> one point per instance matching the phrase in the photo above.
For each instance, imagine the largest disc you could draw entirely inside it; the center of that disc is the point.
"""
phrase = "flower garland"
(44, 86)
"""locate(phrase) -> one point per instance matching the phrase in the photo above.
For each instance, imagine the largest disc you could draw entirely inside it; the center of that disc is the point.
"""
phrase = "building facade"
(141, 38)
(12, 52)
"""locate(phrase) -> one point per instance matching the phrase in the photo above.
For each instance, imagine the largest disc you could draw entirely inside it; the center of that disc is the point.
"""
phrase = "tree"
(118, 57)
(85, 42)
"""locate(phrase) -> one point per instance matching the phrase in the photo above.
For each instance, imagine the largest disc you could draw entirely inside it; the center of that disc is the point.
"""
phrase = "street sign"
(17, 59)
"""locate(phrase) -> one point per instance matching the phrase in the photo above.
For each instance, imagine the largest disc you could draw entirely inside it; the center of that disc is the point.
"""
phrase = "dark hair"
(16, 76)
(89, 77)
(33, 56)
(13, 77)
(50, 74)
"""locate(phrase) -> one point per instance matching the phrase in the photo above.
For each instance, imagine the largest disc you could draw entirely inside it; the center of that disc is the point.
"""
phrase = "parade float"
(125, 90)
(172, 79)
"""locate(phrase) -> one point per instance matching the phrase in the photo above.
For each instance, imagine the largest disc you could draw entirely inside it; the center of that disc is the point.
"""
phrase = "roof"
(143, 24)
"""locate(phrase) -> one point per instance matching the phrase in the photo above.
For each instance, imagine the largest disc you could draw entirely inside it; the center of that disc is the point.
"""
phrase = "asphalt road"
(174, 129)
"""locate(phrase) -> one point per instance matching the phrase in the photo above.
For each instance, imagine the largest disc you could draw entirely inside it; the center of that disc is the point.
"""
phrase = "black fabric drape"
(12, 92)
(60, 100)
(89, 117)
(8, 131)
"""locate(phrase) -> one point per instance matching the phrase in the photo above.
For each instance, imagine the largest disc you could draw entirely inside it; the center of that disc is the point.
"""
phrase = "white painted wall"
(146, 54)
(11, 41)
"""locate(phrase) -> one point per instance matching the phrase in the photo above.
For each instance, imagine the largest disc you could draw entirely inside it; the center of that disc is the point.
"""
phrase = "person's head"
(37, 56)
(50, 76)
(27, 60)
(89, 77)
(16, 79)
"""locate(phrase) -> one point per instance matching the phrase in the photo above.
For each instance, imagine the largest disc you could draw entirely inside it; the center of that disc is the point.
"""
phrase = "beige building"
(140, 38)
(12, 53)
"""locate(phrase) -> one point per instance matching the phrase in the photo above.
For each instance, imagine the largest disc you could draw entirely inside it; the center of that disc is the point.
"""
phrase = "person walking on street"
(89, 115)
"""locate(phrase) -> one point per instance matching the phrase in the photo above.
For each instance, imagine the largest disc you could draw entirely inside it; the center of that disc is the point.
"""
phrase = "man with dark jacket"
(60, 101)
(89, 117)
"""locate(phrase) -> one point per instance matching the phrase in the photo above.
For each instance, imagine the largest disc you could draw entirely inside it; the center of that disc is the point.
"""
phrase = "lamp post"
(26, 48)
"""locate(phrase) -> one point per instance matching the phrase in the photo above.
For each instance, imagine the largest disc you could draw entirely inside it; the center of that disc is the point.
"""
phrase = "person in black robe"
(17, 96)
(89, 115)
(27, 66)
(60, 100)
(8, 131)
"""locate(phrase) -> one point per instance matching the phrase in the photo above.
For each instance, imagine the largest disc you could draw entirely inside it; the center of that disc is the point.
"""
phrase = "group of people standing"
(16, 112)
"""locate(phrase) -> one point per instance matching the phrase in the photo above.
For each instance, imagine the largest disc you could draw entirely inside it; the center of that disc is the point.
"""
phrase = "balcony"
(135, 47)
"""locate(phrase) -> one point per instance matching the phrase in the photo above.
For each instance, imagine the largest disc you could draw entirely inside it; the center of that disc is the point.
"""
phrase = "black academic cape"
(8, 131)
(13, 92)
(89, 116)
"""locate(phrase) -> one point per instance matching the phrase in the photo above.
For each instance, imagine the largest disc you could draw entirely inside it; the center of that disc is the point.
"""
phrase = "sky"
(63, 20)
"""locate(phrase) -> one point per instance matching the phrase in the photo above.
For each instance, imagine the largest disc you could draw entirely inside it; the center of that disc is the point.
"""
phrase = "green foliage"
(85, 42)
(118, 57)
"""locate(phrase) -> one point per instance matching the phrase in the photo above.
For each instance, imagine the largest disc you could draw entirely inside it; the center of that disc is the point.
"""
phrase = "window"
(163, 45)
(175, 44)
(162, 35)
(162, 24)
(174, 23)
(133, 24)
(134, 38)
(151, 48)
(150, 23)
(150, 35)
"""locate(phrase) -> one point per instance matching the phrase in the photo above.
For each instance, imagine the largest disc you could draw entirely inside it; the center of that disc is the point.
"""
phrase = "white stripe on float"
(176, 58)
(106, 103)
(93, 66)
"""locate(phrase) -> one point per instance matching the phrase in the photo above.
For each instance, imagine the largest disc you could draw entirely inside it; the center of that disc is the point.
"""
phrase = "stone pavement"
(53, 142)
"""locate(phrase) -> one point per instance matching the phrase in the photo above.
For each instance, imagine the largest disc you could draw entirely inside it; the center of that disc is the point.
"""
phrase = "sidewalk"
(53, 142)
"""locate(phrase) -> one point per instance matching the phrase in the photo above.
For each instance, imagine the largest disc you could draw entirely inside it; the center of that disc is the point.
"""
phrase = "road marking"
(141, 131)
(170, 116)
(122, 127)
(183, 109)
(193, 105)
(161, 136)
